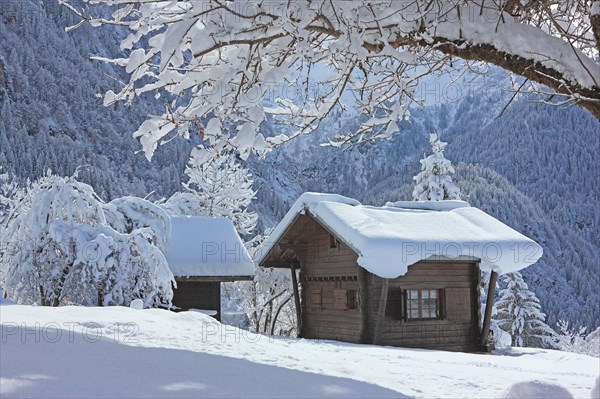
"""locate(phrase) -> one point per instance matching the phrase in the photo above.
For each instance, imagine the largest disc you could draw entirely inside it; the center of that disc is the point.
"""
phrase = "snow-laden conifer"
(434, 182)
(520, 314)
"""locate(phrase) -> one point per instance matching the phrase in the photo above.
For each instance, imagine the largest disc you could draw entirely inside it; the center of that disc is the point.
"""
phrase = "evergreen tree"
(520, 314)
(434, 182)
(217, 187)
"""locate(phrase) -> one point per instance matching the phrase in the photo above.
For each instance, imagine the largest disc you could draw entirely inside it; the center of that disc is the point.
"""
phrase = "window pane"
(414, 294)
(414, 314)
(433, 294)
(430, 303)
(414, 304)
(424, 294)
(426, 313)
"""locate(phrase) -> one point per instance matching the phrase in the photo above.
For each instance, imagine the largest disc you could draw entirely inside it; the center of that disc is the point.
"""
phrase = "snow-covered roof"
(390, 238)
(207, 247)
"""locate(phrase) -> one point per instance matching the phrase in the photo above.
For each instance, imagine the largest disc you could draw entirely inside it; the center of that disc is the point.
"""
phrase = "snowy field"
(122, 352)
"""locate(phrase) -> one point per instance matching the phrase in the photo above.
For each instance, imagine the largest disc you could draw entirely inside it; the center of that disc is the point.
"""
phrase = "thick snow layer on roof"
(207, 247)
(389, 239)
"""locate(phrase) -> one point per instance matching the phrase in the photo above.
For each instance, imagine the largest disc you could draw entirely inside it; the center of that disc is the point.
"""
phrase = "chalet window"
(333, 242)
(424, 304)
(344, 299)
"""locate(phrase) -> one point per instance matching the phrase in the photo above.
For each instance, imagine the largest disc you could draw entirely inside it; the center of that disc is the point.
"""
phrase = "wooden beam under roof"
(209, 279)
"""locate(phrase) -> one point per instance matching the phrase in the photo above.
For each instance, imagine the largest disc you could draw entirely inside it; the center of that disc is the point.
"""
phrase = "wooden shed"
(407, 274)
(204, 252)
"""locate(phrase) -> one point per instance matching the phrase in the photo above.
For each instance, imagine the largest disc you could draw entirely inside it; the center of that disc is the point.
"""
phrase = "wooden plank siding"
(326, 274)
(198, 295)
(458, 330)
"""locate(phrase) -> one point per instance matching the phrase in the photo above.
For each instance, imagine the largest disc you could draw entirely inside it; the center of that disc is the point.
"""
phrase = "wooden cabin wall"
(330, 281)
(327, 273)
(198, 295)
(457, 331)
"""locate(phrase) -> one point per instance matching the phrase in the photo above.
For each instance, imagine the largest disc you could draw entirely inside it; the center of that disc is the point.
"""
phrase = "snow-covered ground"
(122, 352)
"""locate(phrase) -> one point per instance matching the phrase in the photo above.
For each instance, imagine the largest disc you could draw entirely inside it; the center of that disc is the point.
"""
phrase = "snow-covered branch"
(237, 62)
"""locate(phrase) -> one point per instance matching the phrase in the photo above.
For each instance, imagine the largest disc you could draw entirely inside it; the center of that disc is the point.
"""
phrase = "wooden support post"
(489, 304)
(296, 299)
(381, 311)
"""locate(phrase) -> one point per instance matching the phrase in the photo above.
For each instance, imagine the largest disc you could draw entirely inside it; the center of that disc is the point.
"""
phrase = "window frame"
(437, 307)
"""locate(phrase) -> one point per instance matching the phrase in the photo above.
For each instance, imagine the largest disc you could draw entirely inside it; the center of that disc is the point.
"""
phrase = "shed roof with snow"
(388, 239)
(207, 247)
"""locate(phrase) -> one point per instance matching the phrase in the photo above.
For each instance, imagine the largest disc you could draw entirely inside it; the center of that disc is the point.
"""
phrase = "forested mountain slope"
(50, 116)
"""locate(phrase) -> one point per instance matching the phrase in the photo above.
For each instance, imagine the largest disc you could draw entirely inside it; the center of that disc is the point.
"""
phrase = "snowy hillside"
(121, 352)
(533, 168)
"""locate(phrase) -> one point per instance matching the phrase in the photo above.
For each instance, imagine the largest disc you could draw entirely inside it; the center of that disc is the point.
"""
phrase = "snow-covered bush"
(591, 344)
(434, 182)
(182, 204)
(574, 340)
(220, 186)
(569, 339)
(520, 314)
(61, 249)
(129, 214)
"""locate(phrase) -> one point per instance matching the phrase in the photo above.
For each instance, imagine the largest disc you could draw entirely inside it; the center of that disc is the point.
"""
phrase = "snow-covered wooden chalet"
(406, 274)
(204, 252)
